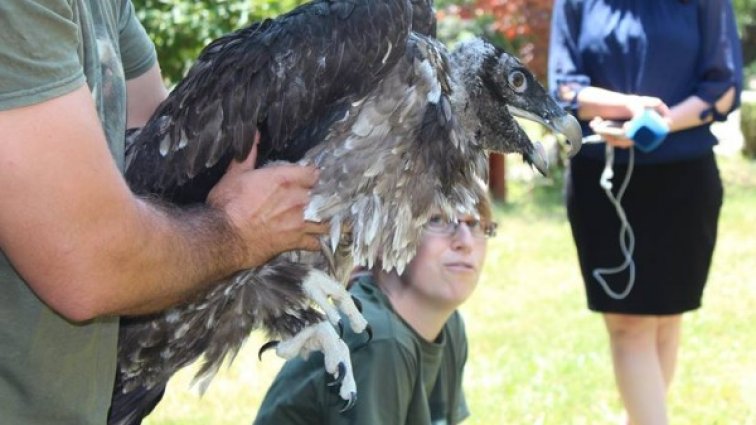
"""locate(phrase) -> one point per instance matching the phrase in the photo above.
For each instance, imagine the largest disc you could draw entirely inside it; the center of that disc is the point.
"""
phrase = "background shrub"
(748, 126)
(181, 28)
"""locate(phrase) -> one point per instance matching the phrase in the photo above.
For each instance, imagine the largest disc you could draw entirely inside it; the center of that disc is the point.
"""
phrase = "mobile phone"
(610, 128)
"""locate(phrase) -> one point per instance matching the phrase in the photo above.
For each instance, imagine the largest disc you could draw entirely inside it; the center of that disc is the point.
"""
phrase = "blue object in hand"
(647, 130)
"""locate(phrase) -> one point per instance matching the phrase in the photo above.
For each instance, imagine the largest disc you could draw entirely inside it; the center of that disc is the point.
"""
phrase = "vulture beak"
(570, 128)
(557, 120)
(538, 159)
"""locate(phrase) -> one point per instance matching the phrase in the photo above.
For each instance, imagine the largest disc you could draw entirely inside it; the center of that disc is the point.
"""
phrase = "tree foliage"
(521, 27)
(744, 12)
(181, 28)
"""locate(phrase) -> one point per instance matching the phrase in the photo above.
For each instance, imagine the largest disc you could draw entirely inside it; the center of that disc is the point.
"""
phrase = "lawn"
(537, 356)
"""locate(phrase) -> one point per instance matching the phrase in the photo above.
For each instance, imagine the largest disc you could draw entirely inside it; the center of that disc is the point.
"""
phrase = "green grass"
(537, 356)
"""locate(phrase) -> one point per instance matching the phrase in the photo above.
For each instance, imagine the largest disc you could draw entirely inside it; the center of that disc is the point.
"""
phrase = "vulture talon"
(267, 346)
(362, 345)
(349, 404)
(341, 329)
(357, 303)
(339, 376)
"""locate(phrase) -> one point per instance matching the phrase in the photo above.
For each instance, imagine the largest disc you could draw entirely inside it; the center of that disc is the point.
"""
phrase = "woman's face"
(448, 262)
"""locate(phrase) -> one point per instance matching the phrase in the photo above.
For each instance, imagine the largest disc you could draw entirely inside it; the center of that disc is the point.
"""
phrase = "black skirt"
(673, 210)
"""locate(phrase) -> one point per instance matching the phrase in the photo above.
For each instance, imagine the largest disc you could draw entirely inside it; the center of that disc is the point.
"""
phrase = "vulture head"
(497, 86)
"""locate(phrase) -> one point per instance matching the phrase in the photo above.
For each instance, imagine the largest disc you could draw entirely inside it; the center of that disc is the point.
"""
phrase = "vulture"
(396, 124)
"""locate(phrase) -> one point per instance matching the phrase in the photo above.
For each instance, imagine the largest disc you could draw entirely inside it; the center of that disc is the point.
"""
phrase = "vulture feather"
(396, 124)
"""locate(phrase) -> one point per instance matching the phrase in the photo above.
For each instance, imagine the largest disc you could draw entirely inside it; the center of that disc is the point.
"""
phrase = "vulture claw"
(369, 331)
(323, 337)
(349, 404)
(339, 376)
(341, 329)
(267, 346)
(357, 303)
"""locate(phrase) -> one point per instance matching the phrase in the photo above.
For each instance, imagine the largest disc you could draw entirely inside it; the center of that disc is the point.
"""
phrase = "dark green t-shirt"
(52, 371)
(401, 378)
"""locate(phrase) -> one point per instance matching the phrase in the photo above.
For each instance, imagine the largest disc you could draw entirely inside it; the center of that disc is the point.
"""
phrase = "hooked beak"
(538, 159)
(564, 124)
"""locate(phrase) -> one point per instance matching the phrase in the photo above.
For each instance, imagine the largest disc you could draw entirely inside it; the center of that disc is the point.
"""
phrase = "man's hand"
(266, 206)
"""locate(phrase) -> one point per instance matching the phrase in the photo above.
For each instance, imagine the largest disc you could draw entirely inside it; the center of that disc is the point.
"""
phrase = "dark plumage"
(396, 125)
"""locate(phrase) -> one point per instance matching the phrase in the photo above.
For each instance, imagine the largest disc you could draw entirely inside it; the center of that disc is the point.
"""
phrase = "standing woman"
(612, 60)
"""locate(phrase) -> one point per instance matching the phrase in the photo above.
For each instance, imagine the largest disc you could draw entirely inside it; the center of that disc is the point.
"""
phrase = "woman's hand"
(637, 104)
(613, 132)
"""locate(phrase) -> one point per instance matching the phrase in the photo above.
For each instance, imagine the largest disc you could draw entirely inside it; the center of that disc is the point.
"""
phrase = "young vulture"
(396, 125)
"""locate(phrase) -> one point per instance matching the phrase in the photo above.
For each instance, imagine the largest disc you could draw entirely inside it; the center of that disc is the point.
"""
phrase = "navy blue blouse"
(670, 49)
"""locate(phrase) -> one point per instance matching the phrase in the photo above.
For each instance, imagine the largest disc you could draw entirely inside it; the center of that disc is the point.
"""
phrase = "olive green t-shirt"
(53, 371)
(401, 378)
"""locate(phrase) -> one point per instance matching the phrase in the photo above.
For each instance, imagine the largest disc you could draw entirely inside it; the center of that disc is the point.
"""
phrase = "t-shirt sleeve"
(721, 63)
(137, 50)
(40, 64)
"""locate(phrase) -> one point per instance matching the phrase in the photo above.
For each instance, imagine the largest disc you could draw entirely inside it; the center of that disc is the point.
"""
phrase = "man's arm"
(88, 247)
(143, 94)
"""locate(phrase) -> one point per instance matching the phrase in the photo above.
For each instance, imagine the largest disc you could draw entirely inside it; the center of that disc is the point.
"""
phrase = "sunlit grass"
(537, 356)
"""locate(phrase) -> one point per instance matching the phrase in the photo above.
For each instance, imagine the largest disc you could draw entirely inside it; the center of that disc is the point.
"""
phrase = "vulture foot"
(322, 337)
(319, 287)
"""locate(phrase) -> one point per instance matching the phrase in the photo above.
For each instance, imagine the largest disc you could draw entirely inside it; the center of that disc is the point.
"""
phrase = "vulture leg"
(330, 259)
(319, 287)
(322, 337)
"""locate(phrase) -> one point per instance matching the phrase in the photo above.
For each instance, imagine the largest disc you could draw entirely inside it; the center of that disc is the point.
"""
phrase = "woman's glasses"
(481, 229)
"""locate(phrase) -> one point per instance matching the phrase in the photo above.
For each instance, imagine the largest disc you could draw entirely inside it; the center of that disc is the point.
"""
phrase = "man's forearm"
(78, 236)
(182, 251)
(143, 261)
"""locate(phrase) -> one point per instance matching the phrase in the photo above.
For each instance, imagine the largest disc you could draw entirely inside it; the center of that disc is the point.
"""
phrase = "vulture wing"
(273, 77)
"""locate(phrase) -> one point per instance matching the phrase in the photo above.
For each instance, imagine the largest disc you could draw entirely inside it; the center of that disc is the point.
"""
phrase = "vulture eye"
(517, 81)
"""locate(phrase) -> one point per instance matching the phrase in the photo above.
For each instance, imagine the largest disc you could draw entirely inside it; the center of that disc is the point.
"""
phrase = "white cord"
(626, 235)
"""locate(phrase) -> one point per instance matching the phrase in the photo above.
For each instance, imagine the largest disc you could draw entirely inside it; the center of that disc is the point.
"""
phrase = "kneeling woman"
(411, 372)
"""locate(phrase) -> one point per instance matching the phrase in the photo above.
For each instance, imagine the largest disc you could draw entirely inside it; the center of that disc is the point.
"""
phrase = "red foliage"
(525, 23)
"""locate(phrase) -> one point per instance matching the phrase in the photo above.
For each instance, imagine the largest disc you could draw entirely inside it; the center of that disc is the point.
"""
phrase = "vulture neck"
(467, 86)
